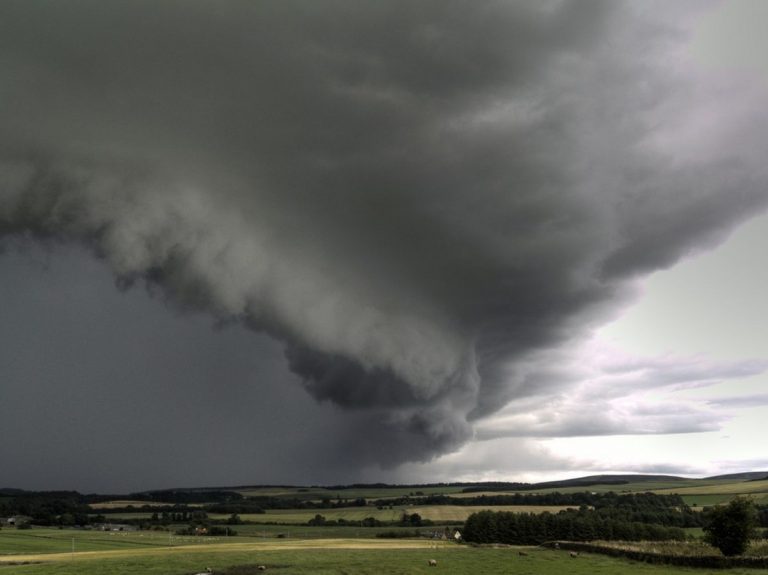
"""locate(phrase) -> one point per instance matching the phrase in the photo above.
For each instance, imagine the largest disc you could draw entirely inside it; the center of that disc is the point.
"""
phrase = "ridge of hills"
(585, 481)
(746, 476)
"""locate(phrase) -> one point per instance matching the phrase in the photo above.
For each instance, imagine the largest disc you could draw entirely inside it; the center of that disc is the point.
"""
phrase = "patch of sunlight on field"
(461, 512)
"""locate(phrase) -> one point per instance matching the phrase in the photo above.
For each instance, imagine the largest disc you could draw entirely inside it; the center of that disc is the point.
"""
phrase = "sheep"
(261, 567)
(574, 553)
(433, 562)
(522, 554)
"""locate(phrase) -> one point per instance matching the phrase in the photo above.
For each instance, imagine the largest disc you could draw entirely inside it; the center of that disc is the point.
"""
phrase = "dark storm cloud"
(415, 198)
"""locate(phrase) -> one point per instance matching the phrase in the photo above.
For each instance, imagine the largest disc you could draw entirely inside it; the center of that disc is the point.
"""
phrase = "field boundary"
(706, 561)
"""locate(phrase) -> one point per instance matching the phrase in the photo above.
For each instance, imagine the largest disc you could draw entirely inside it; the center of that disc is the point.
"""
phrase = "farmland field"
(729, 488)
(325, 557)
(64, 540)
(283, 539)
(318, 493)
(301, 516)
(636, 487)
(432, 512)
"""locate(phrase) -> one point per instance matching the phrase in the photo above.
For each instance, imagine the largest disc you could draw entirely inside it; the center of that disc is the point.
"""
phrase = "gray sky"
(314, 242)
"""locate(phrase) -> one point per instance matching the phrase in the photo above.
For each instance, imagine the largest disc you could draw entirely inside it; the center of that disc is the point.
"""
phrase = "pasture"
(41, 540)
(636, 487)
(435, 513)
(702, 495)
(330, 556)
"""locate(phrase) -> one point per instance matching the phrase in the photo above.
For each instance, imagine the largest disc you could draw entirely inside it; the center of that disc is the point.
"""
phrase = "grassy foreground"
(333, 556)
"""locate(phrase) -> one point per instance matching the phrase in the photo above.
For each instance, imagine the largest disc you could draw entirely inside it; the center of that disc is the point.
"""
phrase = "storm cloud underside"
(419, 201)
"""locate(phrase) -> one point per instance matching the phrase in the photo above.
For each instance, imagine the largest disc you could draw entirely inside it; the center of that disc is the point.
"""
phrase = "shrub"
(731, 526)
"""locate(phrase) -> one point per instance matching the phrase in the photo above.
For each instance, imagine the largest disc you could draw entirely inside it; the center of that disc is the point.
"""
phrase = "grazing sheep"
(522, 554)
(433, 562)
(574, 553)
(261, 567)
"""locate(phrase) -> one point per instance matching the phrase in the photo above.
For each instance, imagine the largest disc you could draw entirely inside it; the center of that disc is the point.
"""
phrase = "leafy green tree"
(731, 526)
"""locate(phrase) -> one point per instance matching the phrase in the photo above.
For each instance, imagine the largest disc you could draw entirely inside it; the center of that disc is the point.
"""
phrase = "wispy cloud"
(619, 394)
(740, 401)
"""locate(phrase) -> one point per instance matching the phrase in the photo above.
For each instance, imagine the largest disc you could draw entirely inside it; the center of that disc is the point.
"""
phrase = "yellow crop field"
(461, 512)
(431, 512)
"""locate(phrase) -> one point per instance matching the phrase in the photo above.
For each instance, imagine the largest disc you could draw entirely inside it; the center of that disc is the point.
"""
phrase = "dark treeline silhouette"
(668, 510)
(572, 525)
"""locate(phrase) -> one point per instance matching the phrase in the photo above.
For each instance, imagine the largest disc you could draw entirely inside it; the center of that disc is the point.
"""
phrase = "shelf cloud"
(419, 201)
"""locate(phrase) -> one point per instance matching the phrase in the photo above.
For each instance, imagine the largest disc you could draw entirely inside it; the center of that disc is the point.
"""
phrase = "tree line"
(571, 525)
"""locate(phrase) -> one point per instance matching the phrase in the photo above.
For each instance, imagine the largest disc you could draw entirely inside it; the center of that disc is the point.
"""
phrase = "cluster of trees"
(572, 525)
(730, 527)
(186, 497)
(47, 507)
(209, 530)
(406, 519)
(320, 520)
(259, 504)
(649, 502)
(178, 516)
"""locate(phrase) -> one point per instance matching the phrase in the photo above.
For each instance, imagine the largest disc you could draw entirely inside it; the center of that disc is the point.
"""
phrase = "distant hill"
(10, 491)
(587, 481)
(607, 480)
(745, 476)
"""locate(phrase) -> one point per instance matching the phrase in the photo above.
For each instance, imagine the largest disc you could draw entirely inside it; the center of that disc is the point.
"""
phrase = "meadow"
(436, 513)
(282, 539)
(323, 557)
(703, 495)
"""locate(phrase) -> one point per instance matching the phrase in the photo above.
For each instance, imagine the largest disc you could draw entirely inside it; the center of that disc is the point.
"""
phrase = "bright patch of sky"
(712, 307)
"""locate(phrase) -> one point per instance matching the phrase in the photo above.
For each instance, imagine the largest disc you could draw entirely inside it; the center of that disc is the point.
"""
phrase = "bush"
(731, 526)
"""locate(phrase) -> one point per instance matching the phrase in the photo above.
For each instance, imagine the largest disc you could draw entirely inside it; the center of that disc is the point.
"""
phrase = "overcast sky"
(329, 242)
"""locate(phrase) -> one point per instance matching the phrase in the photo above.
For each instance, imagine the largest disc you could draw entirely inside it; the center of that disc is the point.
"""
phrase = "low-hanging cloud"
(417, 199)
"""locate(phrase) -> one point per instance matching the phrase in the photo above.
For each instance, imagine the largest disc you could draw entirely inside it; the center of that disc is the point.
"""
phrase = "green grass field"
(636, 487)
(727, 488)
(38, 540)
(704, 495)
(325, 557)
(301, 516)
(433, 512)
